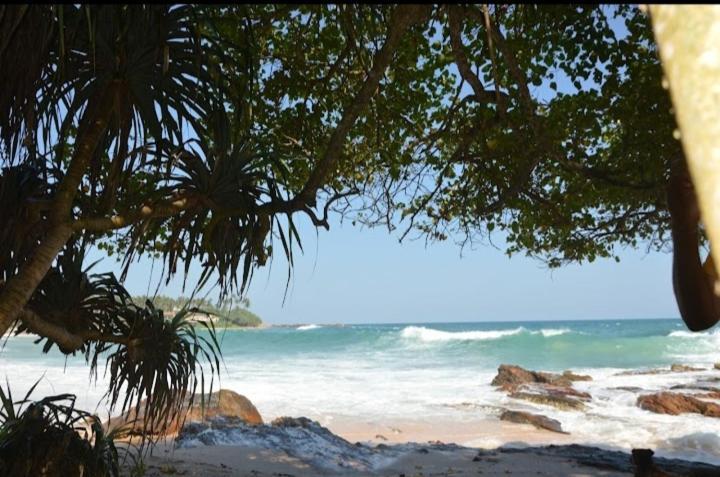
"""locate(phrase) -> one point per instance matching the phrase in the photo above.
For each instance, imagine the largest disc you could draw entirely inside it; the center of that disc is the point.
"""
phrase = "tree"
(548, 124)
(200, 133)
(132, 129)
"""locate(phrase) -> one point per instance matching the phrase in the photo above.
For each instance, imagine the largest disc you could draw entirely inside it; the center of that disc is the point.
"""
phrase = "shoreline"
(407, 453)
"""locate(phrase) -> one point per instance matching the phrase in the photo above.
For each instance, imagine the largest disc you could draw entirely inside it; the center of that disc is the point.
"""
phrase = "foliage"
(161, 364)
(232, 311)
(547, 124)
(50, 437)
(192, 132)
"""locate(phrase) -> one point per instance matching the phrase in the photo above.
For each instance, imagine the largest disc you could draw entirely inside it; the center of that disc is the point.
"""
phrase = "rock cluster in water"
(549, 389)
(677, 403)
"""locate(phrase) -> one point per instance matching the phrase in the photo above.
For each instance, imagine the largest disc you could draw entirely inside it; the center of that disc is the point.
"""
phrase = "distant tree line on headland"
(232, 312)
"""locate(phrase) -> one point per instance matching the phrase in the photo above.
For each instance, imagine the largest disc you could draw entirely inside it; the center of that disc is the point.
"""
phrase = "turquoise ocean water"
(437, 371)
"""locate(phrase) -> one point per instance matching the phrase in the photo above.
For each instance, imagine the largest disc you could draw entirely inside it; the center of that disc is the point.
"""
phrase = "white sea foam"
(550, 332)
(424, 334)
(693, 347)
(308, 327)
(714, 335)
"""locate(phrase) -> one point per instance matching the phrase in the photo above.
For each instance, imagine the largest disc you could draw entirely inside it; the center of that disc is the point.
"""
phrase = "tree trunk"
(689, 41)
(18, 289)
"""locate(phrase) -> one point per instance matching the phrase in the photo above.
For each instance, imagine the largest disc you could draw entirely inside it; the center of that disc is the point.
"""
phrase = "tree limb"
(18, 289)
(67, 341)
(402, 18)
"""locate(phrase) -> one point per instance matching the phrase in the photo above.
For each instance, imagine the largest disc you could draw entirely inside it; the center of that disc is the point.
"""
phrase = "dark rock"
(643, 464)
(717, 366)
(300, 438)
(537, 420)
(642, 372)
(632, 389)
(676, 403)
(699, 386)
(617, 460)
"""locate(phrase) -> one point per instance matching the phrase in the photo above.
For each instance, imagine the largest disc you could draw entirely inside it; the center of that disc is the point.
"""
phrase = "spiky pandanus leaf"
(22, 193)
(51, 437)
(147, 357)
(157, 374)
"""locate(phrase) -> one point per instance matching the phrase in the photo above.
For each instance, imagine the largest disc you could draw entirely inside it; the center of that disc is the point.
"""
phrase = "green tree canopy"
(202, 132)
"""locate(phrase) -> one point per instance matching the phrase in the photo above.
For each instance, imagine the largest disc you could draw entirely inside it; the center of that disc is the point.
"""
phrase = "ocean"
(441, 372)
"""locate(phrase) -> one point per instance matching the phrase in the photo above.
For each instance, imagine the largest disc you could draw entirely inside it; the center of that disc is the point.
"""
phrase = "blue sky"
(353, 275)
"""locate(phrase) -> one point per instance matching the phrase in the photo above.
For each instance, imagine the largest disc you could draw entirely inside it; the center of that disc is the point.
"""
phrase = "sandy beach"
(234, 461)
(413, 449)
(430, 455)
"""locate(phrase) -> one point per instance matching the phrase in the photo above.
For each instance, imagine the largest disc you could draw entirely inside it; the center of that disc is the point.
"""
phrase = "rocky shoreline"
(230, 419)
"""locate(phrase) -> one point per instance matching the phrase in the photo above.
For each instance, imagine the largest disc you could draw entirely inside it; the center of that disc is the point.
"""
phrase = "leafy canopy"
(192, 132)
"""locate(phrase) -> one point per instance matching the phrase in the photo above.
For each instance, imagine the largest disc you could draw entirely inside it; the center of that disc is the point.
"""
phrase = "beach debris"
(677, 403)
(224, 403)
(643, 464)
(537, 420)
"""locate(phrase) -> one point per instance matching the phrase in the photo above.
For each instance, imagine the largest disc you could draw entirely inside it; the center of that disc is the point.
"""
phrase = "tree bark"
(689, 41)
(18, 289)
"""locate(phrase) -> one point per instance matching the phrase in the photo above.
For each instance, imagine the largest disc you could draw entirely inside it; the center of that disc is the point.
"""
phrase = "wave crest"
(550, 332)
(428, 335)
(431, 335)
(308, 327)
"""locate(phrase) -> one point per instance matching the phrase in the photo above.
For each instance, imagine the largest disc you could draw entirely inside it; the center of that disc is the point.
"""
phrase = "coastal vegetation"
(201, 135)
(230, 313)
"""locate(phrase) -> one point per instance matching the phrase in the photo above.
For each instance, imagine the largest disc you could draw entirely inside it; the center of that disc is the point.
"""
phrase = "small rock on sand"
(537, 420)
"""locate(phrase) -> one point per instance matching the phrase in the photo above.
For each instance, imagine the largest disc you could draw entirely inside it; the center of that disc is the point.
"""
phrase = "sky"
(354, 275)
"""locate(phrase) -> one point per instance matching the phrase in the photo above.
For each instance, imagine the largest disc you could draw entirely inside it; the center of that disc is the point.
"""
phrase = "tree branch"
(67, 342)
(18, 289)
(402, 18)
(461, 61)
(152, 211)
